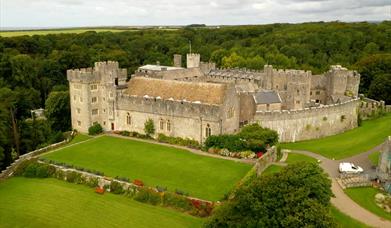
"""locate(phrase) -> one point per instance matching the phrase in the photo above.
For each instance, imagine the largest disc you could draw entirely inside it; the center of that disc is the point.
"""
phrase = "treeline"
(30, 67)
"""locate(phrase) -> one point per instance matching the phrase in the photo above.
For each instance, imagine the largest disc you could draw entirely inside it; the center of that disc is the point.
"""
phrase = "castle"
(202, 100)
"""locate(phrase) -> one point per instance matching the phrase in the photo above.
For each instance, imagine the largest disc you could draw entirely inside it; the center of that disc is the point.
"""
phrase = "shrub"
(39, 170)
(230, 142)
(22, 166)
(178, 141)
(147, 195)
(125, 133)
(149, 127)
(95, 129)
(138, 183)
(116, 187)
(73, 177)
(92, 182)
(176, 201)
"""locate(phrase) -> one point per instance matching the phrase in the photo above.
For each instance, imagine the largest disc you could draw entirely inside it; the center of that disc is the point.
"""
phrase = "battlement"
(157, 105)
(100, 69)
(307, 110)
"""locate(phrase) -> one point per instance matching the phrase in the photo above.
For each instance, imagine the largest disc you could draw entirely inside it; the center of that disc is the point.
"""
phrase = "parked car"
(347, 167)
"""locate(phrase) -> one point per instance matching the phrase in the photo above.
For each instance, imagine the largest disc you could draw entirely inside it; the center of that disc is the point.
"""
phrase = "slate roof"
(208, 93)
(266, 97)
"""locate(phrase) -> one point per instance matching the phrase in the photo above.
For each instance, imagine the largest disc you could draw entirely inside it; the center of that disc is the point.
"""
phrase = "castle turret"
(342, 82)
(193, 60)
(93, 92)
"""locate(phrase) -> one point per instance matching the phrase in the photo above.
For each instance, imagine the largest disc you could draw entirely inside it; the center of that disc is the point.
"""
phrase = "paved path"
(340, 200)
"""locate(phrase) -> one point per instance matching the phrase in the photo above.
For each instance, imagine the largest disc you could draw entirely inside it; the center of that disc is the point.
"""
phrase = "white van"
(347, 167)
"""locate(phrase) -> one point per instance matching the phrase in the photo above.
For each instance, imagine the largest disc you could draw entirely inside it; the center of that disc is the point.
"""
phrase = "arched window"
(168, 125)
(128, 119)
(161, 122)
(208, 131)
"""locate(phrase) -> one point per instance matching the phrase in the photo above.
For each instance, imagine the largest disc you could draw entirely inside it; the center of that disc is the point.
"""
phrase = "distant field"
(200, 176)
(358, 140)
(30, 202)
(57, 31)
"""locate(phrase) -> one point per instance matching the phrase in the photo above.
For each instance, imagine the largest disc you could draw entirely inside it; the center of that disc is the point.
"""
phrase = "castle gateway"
(201, 100)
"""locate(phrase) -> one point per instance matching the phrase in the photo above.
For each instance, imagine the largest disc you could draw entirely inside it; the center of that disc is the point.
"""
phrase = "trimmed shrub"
(39, 170)
(125, 133)
(73, 177)
(176, 201)
(95, 129)
(22, 166)
(179, 141)
(116, 187)
(92, 182)
(147, 195)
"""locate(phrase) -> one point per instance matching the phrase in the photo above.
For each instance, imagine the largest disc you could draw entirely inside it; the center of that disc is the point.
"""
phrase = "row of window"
(166, 124)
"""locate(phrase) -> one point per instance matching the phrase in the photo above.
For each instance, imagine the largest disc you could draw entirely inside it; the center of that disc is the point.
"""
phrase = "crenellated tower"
(93, 94)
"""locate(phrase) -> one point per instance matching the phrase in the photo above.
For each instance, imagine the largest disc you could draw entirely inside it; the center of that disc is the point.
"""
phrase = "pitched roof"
(266, 97)
(209, 93)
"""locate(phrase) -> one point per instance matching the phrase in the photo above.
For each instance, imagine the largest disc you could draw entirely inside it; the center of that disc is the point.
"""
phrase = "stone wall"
(268, 158)
(187, 119)
(311, 123)
(370, 108)
(12, 167)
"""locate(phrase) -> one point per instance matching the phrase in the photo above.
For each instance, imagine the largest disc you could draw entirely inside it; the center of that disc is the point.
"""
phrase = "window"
(267, 107)
(311, 93)
(128, 119)
(317, 92)
(168, 125)
(298, 92)
(161, 123)
(297, 102)
(94, 87)
(94, 111)
(93, 100)
(74, 97)
(104, 110)
(111, 94)
(317, 101)
(208, 131)
(78, 123)
(276, 86)
(78, 110)
(104, 123)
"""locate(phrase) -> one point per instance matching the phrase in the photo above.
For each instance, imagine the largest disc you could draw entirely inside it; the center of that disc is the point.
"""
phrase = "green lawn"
(79, 138)
(365, 197)
(272, 169)
(374, 158)
(200, 176)
(358, 140)
(57, 31)
(293, 158)
(345, 221)
(30, 202)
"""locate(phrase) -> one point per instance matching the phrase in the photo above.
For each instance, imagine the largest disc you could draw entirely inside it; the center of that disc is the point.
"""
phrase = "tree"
(380, 88)
(254, 131)
(57, 110)
(149, 127)
(298, 196)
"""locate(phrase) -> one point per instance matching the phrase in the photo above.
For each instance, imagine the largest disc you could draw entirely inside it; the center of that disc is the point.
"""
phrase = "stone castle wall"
(186, 119)
(311, 123)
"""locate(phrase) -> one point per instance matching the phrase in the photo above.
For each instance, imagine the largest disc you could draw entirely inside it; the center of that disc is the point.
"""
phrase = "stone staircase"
(354, 180)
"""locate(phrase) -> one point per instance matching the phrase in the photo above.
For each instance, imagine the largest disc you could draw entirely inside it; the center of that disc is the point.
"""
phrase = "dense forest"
(33, 68)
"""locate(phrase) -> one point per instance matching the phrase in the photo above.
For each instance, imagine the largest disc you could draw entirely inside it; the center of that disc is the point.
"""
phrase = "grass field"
(79, 138)
(56, 31)
(361, 139)
(345, 221)
(30, 202)
(200, 176)
(365, 197)
(293, 158)
(374, 158)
